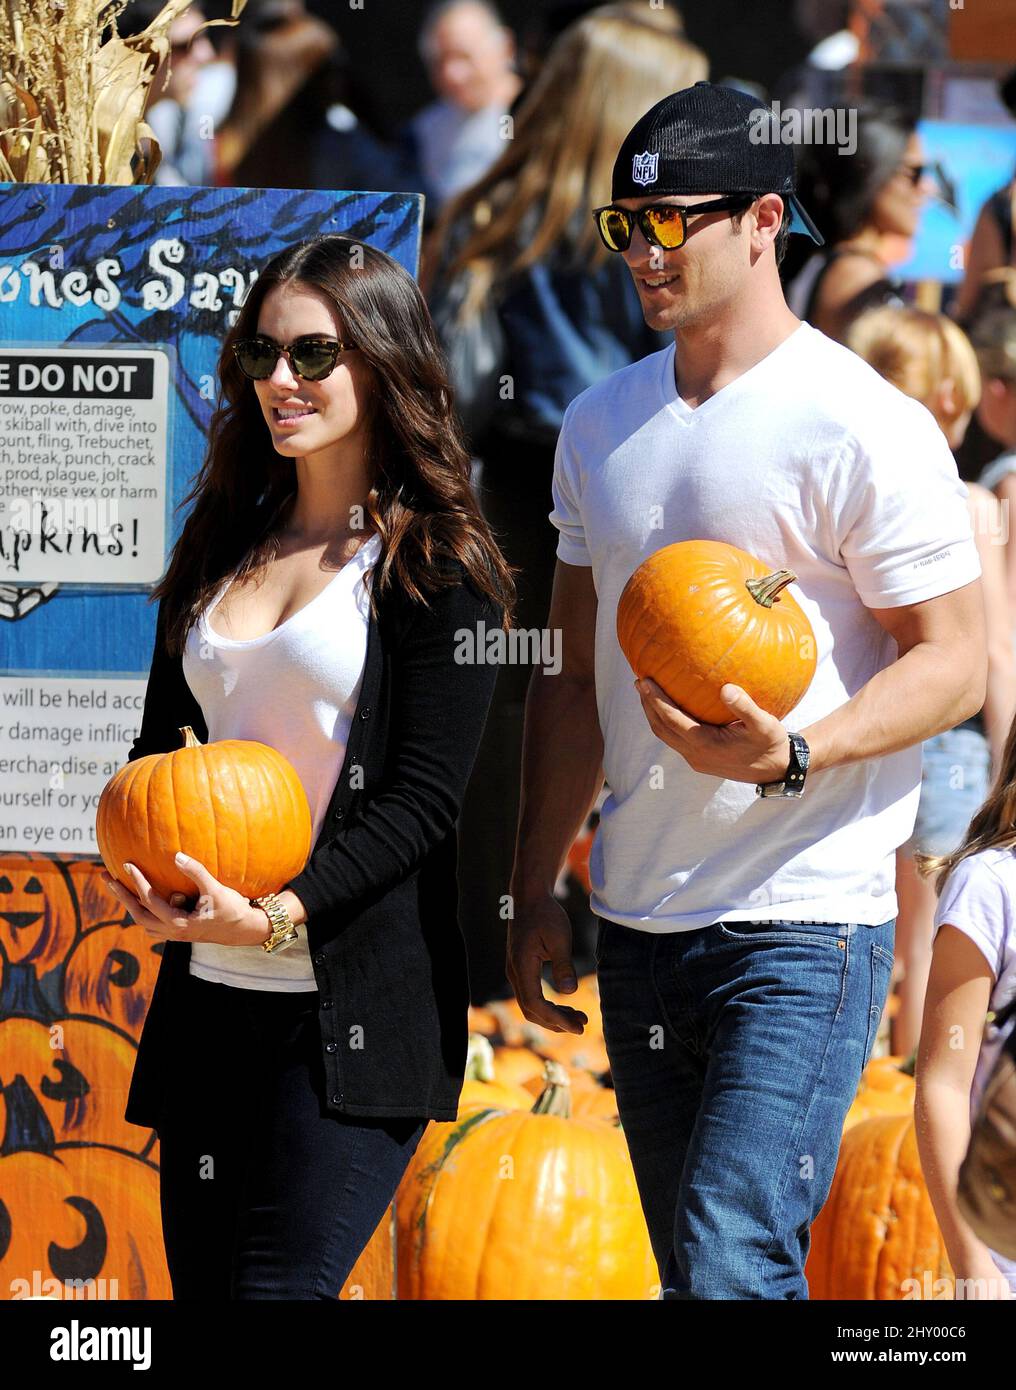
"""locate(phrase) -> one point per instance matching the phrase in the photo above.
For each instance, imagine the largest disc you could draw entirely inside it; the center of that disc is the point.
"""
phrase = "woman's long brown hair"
(420, 501)
(601, 74)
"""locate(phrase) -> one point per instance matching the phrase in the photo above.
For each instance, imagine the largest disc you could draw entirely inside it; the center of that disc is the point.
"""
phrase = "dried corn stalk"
(71, 106)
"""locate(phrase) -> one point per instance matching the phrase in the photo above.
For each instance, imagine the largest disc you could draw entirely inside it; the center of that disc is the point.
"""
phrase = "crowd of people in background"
(511, 154)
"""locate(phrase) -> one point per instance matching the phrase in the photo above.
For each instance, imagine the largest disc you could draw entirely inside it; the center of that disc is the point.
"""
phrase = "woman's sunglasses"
(662, 224)
(311, 358)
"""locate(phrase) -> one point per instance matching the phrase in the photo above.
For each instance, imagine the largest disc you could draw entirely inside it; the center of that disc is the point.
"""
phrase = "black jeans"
(265, 1193)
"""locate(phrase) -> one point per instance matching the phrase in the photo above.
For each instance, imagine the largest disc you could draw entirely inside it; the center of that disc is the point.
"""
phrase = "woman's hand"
(221, 915)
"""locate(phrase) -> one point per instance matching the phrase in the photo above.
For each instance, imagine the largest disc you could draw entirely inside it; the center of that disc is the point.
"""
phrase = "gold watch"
(284, 931)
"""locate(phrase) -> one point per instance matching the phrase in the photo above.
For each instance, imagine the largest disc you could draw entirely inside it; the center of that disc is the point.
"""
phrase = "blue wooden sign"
(113, 306)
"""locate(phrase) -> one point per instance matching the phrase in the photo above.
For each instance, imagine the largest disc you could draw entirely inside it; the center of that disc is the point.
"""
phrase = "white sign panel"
(83, 449)
(61, 739)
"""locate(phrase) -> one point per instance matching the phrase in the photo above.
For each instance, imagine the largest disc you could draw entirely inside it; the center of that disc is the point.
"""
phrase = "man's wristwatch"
(284, 931)
(793, 782)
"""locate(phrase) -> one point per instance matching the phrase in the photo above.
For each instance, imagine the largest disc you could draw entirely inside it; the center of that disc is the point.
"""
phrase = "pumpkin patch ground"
(535, 1161)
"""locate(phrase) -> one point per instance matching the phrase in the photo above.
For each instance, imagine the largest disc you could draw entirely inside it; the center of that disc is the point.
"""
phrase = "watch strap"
(791, 785)
(284, 931)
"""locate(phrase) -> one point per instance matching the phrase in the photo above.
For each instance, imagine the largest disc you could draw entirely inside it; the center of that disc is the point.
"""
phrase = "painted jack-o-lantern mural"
(38, 912)
(65, 1082)
(79, 1185)
(110, 975)
(80, 1219)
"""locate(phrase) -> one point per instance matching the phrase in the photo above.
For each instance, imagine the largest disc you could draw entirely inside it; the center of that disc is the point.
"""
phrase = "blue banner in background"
(978, 160)
(113, 306)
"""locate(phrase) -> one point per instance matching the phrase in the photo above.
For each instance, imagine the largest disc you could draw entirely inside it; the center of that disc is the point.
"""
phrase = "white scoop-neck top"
(296, 689)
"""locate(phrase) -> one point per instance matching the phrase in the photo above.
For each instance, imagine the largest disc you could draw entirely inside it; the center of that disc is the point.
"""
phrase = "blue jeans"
(955, 781)
(735, 1052)
(265, 1193)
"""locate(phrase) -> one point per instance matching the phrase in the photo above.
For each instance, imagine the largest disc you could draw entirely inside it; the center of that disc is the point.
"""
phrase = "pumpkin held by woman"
(699, 614)
(236, 806)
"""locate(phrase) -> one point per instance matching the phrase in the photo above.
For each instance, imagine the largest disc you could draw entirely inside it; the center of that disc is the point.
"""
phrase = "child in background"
(927, 357)
(973, 976)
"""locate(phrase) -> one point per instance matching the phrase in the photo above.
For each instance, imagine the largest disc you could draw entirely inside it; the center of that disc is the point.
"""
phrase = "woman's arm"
(956, 1004)
(439, 707)
(838, 301)
(169, 703)
(984, 252)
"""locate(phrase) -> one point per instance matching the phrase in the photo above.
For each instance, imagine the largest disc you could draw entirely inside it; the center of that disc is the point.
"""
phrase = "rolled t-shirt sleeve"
(565, 486)
(976, 902)
(899, 511)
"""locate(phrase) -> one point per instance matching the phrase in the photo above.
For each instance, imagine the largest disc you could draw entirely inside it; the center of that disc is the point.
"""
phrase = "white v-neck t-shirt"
(814, 463)
(296, 689)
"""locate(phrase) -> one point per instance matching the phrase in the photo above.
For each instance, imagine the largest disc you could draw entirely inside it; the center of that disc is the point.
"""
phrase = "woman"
(867, 207)
(304, 1080)
(521, 242)
(928, 357)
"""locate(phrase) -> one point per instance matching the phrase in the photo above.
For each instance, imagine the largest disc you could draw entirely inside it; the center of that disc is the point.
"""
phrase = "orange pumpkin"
(887, 1074)
(884, 1090)
(235, 805)
(589, 1100)
(523, 1205)
(481, 1089)
(111, 974)
(574, 1049)
(482, 1021)
(699, 614)
(66, 1082)
(38, 910)
(877, 1230)
(514, 1066)
(373, 1275)
(87, 1213)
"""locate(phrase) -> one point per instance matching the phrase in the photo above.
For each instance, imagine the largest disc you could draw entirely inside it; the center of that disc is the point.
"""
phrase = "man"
(745, 943)
(470, 59)
(186, 158)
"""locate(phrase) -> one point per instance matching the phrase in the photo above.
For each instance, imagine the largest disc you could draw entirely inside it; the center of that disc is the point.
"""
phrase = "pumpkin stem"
(189, 741)
(479, 1059)
(765, 591)
(909, 1067)
(555, 1098)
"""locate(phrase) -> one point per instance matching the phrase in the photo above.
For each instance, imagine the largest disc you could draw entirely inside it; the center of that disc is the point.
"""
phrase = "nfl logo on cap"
(644, 167)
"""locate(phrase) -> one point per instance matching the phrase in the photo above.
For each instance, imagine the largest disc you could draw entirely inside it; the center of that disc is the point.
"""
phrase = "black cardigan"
(380, 885)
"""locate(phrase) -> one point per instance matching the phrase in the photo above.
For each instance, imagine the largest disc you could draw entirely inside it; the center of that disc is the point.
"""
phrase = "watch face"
(802, 752)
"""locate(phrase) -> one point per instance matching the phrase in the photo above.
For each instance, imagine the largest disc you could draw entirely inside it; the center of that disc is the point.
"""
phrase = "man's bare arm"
(562, 773)
(938, 681)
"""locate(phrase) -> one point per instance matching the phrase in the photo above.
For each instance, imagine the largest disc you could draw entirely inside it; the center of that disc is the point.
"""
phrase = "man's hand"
(221, 915)
(755, 747)
(542, 932)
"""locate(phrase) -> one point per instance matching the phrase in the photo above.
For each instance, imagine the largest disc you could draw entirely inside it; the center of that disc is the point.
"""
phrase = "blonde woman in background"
(520, 247)
(929, 358)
